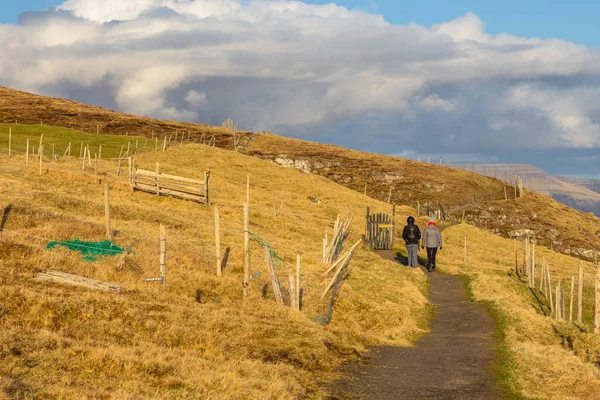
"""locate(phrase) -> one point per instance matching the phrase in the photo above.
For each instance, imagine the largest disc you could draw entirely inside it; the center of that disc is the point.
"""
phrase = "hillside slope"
(196, 338)
(27, 108)
(481, 199)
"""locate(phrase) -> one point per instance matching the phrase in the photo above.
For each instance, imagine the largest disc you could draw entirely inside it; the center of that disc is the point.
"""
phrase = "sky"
(511, 81)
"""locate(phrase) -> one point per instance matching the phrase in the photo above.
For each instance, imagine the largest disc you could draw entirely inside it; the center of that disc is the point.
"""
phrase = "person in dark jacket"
(412, 235)
(432, 240)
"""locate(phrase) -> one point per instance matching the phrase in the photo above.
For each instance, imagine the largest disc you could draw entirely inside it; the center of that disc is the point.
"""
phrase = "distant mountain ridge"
(574, 192)
(592, 184)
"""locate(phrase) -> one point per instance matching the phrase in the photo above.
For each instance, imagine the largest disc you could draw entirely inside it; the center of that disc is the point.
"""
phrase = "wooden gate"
(380, 230)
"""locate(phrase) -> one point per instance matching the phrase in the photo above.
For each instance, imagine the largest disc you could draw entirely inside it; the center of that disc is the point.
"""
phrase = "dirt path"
(451, 362)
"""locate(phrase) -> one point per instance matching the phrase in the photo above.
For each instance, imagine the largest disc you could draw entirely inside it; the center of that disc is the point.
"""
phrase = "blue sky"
(575, 21)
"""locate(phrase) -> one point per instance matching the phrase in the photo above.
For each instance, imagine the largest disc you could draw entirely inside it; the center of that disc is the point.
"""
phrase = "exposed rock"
(388, 177)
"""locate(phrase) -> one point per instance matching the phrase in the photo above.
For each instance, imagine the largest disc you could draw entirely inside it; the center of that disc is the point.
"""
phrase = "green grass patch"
(58, 138)
(503, 363)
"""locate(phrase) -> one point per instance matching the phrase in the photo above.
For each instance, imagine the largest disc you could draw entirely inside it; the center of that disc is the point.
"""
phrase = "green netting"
(91, 251)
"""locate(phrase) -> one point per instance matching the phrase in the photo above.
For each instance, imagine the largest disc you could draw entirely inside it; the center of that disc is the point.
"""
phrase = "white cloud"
(433, 102)
(298, 68)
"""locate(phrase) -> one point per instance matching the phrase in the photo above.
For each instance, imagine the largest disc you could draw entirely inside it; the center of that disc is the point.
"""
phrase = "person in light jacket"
(411, 235)
(432, 240)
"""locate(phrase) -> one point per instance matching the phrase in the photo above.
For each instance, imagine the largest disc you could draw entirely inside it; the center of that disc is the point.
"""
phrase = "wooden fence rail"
(172, 185)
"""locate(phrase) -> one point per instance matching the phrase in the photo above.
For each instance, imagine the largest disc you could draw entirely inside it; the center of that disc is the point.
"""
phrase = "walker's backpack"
(412, 233)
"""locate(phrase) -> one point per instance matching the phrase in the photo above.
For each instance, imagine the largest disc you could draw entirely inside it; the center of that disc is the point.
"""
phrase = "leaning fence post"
(27, 154)
(218, 240)
(83, 163)
(41, 157)
(207, 188)
(571, 299)
(549, 284)
(557, 305)
(246, 281)
(163, 255)
(580, 295)
(9, 142)
(107, 210)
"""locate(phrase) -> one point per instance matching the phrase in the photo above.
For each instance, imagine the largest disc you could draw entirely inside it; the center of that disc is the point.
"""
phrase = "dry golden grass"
(196, 338)
(548, 358)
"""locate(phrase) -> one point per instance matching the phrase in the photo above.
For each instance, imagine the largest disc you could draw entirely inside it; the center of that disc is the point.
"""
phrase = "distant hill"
(592, 184)
(574, 192)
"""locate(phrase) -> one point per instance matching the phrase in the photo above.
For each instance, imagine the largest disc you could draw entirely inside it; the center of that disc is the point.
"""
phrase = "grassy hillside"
(547, 221)
(26, 108)
(540, 357)
(197, 338)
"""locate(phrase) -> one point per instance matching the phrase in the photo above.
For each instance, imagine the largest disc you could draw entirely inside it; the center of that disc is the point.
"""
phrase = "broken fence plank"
(76, 280)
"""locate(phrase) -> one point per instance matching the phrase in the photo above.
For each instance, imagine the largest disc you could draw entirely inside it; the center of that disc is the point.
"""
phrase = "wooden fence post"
(41, 143)
(81, 150)
(100, 152)
(543, 277)
(571, 299)
(27, 154)
(83, 163)
(69, 149)
(41, 157)
(248, 189)
(9, 142)
(218, 240)
(549, 284)
(597, 302)
(89, 155)
(393, 238)
(207, 188)
(246, 281)
(533, 266)
(165, 145)
(298, 292)
(557, 305)
(580, 295)
(163, 255)
(130, 169)
(107, 210)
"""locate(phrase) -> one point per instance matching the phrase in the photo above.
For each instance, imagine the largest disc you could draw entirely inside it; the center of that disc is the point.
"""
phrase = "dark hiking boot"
(428, 267)
(433, 267)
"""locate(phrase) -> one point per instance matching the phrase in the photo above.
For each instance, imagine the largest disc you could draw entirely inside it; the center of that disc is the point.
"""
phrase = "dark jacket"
(432, 237)
(406, 233)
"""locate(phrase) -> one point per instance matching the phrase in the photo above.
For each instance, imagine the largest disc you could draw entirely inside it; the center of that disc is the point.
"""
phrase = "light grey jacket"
(432, 237)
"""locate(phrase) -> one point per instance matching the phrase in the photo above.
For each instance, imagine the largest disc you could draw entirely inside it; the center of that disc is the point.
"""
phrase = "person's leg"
(408, 254)
(429, 257)
(412, 255)
(433, 256)
(415, 256)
